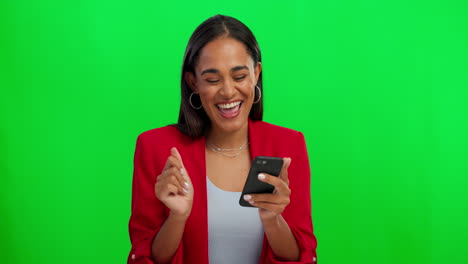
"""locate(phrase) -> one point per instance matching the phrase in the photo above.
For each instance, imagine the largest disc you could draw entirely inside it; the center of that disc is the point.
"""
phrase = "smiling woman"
(220, 52)
(225, 82)
(188, 177)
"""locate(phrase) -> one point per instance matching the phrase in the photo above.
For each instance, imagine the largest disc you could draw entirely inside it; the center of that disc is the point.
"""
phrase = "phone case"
(270, 165)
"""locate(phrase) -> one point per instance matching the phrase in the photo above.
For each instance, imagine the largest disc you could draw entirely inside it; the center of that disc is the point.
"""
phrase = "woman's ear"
(258, 70)
(189, 78)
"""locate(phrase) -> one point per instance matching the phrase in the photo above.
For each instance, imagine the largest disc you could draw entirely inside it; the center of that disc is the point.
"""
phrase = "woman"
(188, 177)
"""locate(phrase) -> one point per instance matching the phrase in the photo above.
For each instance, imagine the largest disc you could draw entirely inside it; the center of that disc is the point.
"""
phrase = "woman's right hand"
(174, 188)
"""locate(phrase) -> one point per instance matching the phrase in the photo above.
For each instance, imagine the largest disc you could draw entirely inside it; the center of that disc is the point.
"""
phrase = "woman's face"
(225, 79)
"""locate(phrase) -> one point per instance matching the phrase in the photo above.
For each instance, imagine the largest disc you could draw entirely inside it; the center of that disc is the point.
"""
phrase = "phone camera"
(259, 162)
(264, 162)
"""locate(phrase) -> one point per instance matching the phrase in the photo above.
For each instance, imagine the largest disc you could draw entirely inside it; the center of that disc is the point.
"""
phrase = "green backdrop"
(379, 89)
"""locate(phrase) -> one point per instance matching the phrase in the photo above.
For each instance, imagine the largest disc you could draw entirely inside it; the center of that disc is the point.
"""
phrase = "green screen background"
(379, 88)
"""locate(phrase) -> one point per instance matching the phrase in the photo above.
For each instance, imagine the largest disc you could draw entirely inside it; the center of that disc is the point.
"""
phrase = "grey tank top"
(235, 233)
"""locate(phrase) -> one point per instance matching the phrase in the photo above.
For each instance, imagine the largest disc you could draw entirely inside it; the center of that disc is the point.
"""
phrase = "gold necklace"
(219, 150)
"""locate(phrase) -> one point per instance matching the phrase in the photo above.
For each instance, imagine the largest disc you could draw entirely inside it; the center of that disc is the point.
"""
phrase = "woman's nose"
(228, 90)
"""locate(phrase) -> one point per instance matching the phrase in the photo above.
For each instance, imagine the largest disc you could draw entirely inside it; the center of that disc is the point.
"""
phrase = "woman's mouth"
(229, 110)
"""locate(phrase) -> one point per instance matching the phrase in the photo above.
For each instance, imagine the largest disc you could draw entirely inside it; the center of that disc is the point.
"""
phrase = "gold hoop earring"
(190, 102)
(259, 94)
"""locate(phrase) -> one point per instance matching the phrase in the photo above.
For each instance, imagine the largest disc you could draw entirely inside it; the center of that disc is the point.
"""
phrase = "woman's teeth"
(229, 110)
(230, 105)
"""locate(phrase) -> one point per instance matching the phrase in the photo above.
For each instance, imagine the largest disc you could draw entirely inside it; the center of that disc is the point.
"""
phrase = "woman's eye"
(240, 78)
(212, 81)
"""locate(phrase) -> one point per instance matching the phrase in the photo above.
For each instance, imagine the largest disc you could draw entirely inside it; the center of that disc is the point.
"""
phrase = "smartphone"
(270, 165)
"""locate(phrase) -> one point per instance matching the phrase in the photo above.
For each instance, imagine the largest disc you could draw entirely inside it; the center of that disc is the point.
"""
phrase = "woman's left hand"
(272, 204)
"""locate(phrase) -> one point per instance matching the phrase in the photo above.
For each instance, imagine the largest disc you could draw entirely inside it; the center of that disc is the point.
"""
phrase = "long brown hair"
(194, 122)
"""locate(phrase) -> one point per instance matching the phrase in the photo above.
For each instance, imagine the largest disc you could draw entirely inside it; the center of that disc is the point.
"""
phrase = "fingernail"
(247, 197)
(251, 202)
(185, 190)
(182, 171)
(186, 184)
(261, 176)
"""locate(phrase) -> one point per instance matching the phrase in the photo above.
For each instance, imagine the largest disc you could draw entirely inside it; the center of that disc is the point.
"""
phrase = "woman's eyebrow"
(238, 68)
(212, 70)
(209, 71)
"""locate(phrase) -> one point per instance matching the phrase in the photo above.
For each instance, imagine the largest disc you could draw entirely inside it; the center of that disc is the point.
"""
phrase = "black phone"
(270, 165)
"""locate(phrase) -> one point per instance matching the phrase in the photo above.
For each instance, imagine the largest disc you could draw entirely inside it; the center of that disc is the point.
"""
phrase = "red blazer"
(148, 213)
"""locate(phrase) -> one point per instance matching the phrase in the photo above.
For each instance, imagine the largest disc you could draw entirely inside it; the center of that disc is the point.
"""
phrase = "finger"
(168, 164)
(168, 186)
(267, 198)
(183, 171)
(172, 162)
(175, 177)
(173, 167)
(176, 154)
(277, 209)
(280, 185)
(166, 190)
(284, 170)
(171, 189)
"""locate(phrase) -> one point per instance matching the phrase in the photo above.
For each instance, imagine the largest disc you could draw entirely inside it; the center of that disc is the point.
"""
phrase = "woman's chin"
(229, 121)
(231, 124)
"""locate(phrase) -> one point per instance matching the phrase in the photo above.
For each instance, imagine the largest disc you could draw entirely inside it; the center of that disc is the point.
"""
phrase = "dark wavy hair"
(194, 122)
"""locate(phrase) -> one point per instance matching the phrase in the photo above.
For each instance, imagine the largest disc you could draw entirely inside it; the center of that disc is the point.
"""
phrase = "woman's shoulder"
(163, 135)
(273, 130)
(169, 130)
(275, 140)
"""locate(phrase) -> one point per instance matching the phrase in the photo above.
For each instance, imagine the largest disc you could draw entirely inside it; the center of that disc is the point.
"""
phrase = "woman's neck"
(228, 139)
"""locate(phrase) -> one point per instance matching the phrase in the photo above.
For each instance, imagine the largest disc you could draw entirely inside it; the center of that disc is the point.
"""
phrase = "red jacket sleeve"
(148, 213)
(298, 214)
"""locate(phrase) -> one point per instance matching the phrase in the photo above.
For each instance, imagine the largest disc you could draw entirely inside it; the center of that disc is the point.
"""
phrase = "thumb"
(288, 160)
(284, 170)
(176, 154)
